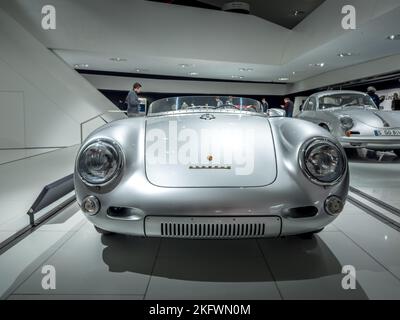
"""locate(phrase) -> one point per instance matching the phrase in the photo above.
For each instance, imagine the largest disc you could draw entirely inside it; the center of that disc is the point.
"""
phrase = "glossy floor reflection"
(91, 266)
(377, 174)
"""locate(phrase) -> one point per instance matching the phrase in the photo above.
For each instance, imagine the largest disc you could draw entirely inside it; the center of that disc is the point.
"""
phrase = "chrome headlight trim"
(120, 162)
(302, 161)
(349, 124)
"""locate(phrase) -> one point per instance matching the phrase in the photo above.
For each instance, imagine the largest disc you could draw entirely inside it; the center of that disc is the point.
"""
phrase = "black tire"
(309, 235)
(102, 231)
(397, 152)
(324, 126)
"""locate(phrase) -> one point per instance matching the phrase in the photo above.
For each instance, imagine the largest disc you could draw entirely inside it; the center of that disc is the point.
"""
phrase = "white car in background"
(354, 119)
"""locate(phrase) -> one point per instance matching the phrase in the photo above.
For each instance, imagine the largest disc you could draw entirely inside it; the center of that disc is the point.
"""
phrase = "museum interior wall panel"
(104, 82)
(12, 133)
(55, 98)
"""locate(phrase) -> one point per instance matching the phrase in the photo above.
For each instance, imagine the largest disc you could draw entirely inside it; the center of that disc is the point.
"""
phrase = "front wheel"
(102, 231)
(309, 235)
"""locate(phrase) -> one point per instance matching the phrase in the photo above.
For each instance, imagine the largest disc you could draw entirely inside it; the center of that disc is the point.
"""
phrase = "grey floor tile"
(312, 269)
(204, 270)
(93, 264)
(73, 297)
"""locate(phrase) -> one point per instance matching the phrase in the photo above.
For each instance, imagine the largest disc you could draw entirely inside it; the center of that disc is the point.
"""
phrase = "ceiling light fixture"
(118, 59)
(393, 37)
(237, 77)
(186, 65)
(246, 69)
(320, 64)
(345, 54)
(81, 65)
(283, 79)
(193, 74)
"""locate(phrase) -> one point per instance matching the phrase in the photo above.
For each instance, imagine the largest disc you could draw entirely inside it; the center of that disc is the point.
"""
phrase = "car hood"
(210, 150)
(372, 118)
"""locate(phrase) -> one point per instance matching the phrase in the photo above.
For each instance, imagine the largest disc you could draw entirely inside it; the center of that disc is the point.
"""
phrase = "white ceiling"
(156, 38)
(282, 14)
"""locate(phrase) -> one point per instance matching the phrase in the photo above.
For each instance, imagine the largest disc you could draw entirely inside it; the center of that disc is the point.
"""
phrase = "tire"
(324, 126)
(102, 231)
(309, 235)
(397, 152)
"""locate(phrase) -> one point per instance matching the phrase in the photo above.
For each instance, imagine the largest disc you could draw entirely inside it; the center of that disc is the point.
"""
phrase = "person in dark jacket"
(132, 100)
(289, 106)
(264, 105)
(396, 102)
(371, 91)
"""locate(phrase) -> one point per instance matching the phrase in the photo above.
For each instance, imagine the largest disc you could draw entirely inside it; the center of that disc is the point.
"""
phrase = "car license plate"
(388, 132)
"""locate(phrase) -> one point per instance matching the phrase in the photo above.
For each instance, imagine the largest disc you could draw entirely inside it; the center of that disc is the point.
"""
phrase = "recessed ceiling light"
(294, 72)
(237, 77)
(193, 74)
(393, 37)
(118, 59)
(320, 64)
(186, 65)
(246, 69)
(139, 70)
(81, 65)
(345, 54)
(283, 79)
(297, 13)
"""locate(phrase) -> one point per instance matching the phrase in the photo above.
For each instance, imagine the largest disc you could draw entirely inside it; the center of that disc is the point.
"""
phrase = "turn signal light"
(348, 133)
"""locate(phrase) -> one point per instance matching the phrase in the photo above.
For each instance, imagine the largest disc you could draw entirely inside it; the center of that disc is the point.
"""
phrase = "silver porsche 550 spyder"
(207, 167)
(354, 119)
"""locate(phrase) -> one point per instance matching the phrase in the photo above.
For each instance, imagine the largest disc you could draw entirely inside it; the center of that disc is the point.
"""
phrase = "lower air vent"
(210, 227)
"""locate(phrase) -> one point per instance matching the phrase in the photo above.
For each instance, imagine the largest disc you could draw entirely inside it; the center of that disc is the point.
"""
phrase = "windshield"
(202, 103)
(346, 100)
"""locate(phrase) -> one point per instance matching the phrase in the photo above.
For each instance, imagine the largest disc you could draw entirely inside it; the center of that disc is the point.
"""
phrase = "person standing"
(289, 107)
(264, 105)
(371, 91)
(219, 102)
(396, 102)
(132, 100)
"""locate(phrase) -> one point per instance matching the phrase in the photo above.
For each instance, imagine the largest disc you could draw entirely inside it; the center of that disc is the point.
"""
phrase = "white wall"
(183, 86)
(42, 100)
(362, 70)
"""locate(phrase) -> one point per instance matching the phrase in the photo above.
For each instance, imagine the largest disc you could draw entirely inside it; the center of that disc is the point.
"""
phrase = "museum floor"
(91, 266)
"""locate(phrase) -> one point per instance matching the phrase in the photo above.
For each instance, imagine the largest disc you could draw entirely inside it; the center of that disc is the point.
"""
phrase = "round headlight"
(323, 162)
(100, 162)
(346, 122)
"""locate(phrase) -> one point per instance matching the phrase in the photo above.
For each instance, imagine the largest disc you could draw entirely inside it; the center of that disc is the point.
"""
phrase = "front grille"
(192, 230)
(210, 227)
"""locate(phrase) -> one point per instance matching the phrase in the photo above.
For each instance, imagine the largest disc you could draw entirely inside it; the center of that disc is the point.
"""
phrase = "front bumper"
(371, 142)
